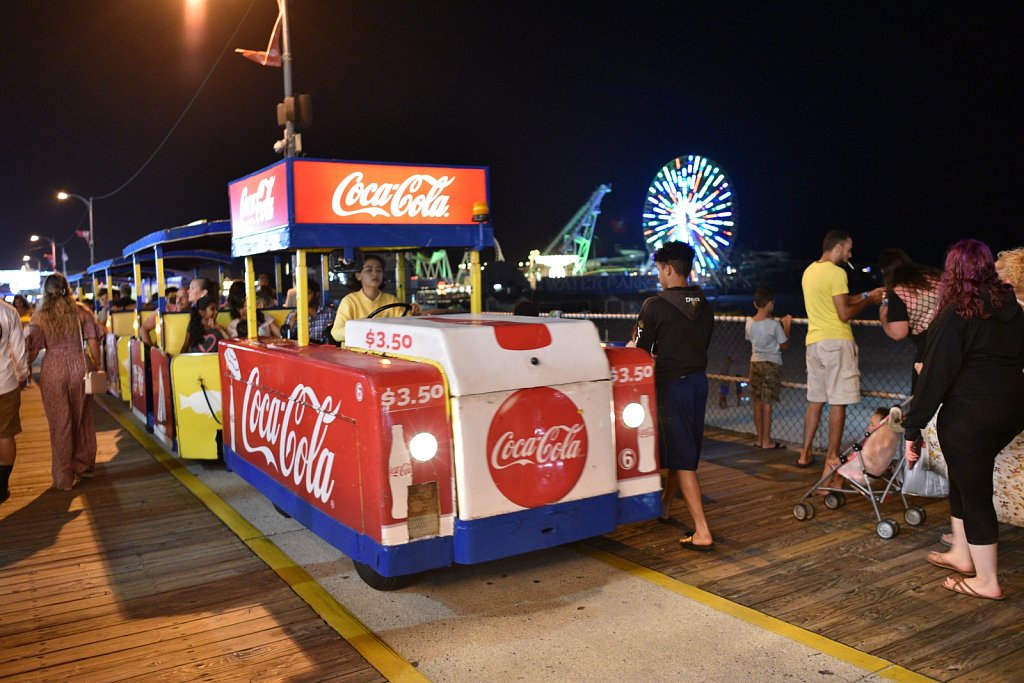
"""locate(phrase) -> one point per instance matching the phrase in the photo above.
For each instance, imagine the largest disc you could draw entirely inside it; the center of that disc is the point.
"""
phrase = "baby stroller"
(872, 467)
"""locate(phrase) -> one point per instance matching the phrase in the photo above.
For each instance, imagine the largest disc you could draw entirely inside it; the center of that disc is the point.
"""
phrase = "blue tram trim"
(639, 508)
(474, 541)
(515, 533)
(387, 560)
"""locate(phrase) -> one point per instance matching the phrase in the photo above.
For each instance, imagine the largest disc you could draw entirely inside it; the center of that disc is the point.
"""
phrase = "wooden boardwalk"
(129, 576)
(831, 574)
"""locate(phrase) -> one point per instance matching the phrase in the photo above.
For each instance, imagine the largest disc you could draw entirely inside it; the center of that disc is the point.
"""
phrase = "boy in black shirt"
(675, 326)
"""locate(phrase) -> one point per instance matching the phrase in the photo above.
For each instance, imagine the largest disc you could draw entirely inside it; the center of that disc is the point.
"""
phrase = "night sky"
(892, 122)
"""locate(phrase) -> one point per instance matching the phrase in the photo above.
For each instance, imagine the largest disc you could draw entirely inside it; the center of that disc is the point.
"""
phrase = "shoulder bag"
(95, 380)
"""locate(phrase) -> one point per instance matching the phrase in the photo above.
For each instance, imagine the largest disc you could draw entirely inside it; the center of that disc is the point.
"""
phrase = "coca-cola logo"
(276, 428)
(418, 196)
(537, 446)
(258, 207)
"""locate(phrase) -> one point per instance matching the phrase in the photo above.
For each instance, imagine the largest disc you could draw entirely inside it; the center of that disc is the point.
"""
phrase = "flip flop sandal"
(960, 586)
(806, 464)
(686, 543)
(774, 447)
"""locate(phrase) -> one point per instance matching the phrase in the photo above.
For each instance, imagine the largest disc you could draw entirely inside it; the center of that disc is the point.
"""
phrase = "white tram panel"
(468, 348)
(487, 359)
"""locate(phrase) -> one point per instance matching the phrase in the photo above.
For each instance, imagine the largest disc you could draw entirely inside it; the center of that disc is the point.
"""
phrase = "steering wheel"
(399, 304)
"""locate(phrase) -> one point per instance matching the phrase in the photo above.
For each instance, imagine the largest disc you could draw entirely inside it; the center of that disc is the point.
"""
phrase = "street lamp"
(88, 202)
(53, 249)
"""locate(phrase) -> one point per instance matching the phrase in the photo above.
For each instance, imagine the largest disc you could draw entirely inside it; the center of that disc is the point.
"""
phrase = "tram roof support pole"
(476, 298)
(161, 301)
(302, 297)
(325, 278)
(252, 325)
(400, 276)
(137, 273)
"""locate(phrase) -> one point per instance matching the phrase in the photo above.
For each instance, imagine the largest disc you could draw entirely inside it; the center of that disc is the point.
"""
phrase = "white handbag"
(95, 380)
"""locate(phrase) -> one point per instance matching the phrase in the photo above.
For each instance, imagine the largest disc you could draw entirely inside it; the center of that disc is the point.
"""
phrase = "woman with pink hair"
(973, 369)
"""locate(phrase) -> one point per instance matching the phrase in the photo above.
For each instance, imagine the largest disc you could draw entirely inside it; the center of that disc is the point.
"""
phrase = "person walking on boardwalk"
(13, 378)
(675, 327)
(973, 364)
(833, 375)
(60, 326)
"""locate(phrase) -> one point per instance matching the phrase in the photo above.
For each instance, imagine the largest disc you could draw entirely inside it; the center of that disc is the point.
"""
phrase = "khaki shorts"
(833, 376)
(10, 414)
(765, 381)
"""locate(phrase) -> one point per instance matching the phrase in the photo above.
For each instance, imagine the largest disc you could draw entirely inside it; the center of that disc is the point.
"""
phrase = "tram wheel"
(803, 511)
(887, 529)
(379, 582)
(835, 500)
(914, 516)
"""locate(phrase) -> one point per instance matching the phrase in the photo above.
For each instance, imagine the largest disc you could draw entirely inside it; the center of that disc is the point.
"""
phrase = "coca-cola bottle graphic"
(399, 473)
(647, 461)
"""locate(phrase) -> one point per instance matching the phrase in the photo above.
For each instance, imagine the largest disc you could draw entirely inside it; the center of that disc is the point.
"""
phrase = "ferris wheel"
(691, 200)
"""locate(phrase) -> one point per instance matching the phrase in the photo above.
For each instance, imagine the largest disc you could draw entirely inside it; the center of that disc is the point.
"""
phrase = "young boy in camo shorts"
(767, 337)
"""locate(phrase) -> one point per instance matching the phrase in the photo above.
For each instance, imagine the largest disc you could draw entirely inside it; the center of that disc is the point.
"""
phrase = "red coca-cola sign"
(536, 446)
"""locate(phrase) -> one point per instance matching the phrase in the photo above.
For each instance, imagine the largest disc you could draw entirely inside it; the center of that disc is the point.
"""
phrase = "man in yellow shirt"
(833, 375)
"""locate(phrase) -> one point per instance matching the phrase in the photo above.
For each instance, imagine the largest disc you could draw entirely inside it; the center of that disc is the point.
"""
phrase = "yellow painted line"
(379, 654)
(871, 663)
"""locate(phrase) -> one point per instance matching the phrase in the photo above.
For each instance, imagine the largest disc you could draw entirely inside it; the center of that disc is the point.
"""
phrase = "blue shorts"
(681, 404)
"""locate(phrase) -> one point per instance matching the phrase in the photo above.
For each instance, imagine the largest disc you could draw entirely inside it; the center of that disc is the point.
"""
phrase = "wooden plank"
(129, 576)
(832, 574)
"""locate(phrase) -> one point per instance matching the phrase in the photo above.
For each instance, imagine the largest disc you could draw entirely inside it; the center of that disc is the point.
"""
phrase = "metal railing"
(885, 372)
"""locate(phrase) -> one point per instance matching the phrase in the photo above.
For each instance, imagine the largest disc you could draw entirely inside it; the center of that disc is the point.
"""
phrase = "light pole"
(53, 250)
(88, 202)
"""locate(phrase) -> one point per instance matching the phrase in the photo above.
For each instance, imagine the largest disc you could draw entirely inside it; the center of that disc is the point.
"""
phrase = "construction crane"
(578, 234)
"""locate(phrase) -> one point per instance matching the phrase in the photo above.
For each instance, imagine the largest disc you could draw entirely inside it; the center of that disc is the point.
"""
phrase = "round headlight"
(633, 415)
(423, 446)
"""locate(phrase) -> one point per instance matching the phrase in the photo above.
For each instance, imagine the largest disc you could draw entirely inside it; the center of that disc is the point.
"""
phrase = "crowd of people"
(965, 320)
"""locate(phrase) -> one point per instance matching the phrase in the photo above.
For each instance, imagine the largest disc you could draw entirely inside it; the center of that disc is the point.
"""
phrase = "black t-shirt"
(965, 358)
(675, 327)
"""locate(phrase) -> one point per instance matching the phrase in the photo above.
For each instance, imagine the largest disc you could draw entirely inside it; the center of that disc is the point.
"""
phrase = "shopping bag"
(95, 382)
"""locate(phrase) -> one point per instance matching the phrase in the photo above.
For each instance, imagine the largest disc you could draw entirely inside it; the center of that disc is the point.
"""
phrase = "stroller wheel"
(835, 500)
(887, 528)
(914, 516)
(803, 511)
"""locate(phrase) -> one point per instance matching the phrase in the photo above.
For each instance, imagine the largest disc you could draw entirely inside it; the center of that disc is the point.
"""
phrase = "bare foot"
(947, 561)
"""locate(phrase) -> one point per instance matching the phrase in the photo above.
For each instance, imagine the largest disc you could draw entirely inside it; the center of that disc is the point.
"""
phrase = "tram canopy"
(189, 245)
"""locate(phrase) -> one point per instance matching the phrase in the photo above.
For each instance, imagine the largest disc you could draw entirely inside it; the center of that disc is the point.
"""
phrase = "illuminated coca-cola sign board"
(309, 203)
(259, 202)
(322, 423)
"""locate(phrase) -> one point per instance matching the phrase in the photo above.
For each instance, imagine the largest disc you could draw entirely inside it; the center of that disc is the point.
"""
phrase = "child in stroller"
(876, 453)
(876, 461)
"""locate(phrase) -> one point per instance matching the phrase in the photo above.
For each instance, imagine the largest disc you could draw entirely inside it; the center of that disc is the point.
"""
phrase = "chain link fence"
(885, 372)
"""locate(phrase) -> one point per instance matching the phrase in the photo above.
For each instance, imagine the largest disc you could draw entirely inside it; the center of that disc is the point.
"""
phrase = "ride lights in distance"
(633, 415)
(423, 446)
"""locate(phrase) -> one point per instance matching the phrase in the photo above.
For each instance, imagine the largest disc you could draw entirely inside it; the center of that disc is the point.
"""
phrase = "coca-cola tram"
(176, 395)
(120, 324)
(428, 440)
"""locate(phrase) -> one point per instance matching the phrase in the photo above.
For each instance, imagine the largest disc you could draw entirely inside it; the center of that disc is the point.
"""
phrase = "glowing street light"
(88, 202)
(53, 248)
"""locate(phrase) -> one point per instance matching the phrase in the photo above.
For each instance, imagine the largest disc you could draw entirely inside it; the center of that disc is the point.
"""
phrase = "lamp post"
(88, 202)
(53, 250)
